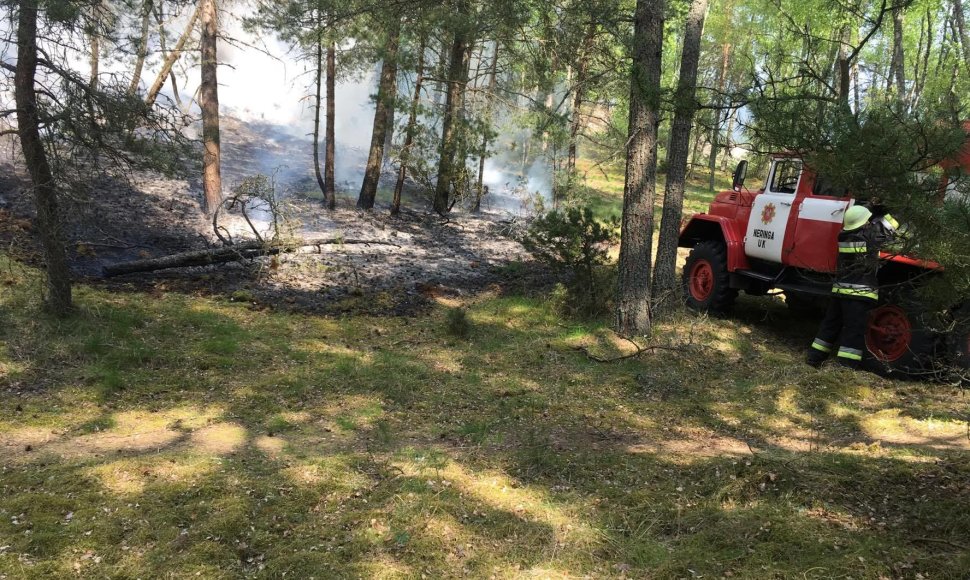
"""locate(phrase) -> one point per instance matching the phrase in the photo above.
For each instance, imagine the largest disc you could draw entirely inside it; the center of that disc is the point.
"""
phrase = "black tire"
(899, 339)
(706, 282)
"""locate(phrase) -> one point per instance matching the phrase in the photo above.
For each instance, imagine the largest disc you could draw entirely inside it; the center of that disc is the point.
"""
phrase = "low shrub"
(577, 245)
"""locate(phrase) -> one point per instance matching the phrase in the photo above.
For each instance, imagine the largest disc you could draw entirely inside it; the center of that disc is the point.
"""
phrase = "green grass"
(604, 190)
(178, 436)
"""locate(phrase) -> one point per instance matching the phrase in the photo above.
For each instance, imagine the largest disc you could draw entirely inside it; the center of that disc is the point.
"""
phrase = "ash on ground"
(416, 256)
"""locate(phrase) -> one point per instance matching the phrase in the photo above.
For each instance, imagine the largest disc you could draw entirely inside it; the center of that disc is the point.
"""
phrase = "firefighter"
(855, 291)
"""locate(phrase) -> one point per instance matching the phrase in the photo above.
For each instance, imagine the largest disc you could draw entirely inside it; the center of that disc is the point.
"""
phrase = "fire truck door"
(814, 245)
(770, 212)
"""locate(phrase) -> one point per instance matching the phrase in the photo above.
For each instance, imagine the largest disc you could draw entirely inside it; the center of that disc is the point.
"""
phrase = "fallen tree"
(235, 253)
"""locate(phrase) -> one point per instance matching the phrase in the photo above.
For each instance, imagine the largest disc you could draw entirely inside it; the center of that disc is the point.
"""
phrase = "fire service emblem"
(768, 214)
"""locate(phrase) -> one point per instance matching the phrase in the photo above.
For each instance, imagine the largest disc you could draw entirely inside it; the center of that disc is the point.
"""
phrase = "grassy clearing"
(166, 435)
(604, 185)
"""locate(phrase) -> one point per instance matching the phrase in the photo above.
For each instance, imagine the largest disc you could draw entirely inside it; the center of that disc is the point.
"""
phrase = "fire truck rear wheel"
(706, 280)
(899, 338)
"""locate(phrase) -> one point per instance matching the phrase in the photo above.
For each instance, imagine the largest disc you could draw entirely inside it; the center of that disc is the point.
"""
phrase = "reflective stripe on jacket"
(857, 276)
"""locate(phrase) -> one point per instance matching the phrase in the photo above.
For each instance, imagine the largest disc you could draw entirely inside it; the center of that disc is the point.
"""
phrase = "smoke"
(266, 101)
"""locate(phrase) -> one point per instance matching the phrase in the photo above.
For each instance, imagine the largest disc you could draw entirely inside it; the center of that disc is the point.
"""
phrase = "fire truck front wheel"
(706, 281)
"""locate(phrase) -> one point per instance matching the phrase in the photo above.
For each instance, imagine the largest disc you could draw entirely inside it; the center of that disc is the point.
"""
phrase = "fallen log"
(235, 253)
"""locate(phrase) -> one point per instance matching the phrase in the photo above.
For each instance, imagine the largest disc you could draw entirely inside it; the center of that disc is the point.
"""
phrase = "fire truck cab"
(783, 237)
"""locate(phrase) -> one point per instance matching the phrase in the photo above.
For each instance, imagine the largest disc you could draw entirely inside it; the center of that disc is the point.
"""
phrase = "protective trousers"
(844, 324)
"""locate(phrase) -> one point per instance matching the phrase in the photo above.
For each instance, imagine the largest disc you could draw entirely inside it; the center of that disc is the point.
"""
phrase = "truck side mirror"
(740, 172)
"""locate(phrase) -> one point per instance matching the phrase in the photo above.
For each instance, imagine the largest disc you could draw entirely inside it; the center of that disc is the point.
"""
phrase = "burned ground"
(416, 256)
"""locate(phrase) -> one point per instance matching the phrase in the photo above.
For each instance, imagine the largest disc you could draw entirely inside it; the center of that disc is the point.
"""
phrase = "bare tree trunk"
(844, 68)
(461, 180)
(483, 152)
(45, 192)
(695, 154)
(330, 192)
(163, 51)
(449, 133)
(732, 117)
(441, 71)
(856, 91)
(318, 98)
(898, 54)
(962, 31)
(665, 291)
(921, 63)
(95, 59)
(209, 101)
(716, 128)
(142, 47)
(579, 95)
(173, 56)
(389, 134)
(411, 130)
(386, 93)
(636, 238)
(898, 66)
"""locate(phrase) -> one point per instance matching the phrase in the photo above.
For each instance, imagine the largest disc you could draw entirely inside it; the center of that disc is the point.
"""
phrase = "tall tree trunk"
(732, 117)
(45, 192)
(142, 47)
(921, 62)
(898, 53)
(636, 238)
(483, 152)
(411, 130)
(856, 90)
(579, 96)
(386, 93)
(695, 154)
(173, 56)
(898, 66)
(95, 44)
(209, 101)
(665, 291)
(960, 19)
(95, 60)
(449, 133)
(389, 134)
(330, 192)
(716, 128)
(163, 51)
(318, 102)
(441, 71)
(844, 68)
(461, 181)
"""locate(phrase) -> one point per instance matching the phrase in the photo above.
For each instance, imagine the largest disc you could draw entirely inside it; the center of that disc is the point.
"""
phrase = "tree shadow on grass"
(365, 446)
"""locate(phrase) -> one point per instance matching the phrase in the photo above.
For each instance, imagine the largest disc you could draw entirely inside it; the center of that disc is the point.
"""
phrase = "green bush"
(577, 245)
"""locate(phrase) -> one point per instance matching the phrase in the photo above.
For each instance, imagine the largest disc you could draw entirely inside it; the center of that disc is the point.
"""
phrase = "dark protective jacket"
(857, 276)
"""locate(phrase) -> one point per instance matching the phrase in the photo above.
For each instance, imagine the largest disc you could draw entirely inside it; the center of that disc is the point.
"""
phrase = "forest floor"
(164, 431)
(412, 258)
(167, 435)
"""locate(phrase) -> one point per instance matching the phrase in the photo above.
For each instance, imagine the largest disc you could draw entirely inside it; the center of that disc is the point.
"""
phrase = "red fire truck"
(783, 237)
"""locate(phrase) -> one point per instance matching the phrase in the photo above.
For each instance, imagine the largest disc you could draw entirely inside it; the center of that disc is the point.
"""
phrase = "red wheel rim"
(889, 333)
(701, 280)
